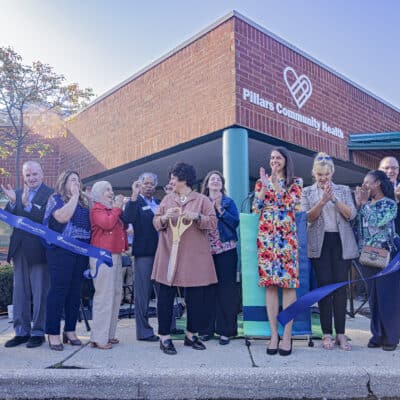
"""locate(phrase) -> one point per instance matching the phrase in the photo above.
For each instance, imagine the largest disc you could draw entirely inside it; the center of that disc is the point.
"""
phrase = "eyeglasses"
(320, 158)
(391, 167)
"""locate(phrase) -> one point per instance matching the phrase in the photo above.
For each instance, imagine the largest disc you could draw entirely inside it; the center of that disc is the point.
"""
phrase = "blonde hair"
(323, 160)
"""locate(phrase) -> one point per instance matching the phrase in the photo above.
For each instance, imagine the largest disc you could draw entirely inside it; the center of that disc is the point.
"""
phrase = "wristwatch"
(334, 200)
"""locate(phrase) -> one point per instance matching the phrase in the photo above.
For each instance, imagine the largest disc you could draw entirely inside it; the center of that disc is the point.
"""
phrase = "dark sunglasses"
(320, 158)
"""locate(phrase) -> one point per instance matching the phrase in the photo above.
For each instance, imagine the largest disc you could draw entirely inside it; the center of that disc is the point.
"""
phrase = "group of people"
(188, 241)
(202, 261)
(333, 241)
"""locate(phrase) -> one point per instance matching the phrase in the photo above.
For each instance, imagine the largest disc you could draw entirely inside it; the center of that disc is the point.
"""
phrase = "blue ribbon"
(52, 237)
(312, 297)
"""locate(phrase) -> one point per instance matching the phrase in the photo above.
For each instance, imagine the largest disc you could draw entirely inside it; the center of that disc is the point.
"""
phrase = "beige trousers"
(106, 300)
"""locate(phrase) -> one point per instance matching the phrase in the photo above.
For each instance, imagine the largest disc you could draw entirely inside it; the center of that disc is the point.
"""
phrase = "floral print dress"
(375, 223)
(278, 260)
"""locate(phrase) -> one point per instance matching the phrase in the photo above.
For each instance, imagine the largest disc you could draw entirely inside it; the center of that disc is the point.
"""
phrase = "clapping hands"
(9, 192)
(119, 201)
(361, 196)
(327, 193)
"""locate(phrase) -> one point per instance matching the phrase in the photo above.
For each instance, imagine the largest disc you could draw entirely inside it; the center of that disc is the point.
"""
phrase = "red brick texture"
(50, 163)
(190, 94)
(198, 90)
(260, 63)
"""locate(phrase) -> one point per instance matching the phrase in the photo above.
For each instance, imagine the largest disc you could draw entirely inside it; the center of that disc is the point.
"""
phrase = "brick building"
(221, 100)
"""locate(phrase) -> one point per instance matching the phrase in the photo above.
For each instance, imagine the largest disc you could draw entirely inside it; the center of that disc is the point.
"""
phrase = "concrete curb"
(229, 383)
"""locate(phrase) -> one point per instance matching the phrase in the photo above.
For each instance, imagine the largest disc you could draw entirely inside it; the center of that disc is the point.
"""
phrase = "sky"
(100, 43)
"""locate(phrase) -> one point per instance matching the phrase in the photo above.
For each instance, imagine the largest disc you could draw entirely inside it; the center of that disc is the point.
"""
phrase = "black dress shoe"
(373, 345)
(206, 338)
(195, 343)
(16, 341)
(167, 347)
(389, 347)
(224, 342)
(177, 331)
(283, 352)
(271, 351)
(153, 338)
(35, 341)
(72, 342)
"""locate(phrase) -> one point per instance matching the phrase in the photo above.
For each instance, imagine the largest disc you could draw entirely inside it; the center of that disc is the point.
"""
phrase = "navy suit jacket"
(20, 240)
(145, 237)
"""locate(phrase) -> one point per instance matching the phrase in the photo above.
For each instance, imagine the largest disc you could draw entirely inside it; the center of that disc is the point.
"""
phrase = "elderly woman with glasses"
(108, 232)
(331, 244)
(67, 212)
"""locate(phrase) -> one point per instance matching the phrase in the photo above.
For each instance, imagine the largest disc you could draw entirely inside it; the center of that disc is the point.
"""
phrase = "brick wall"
(50, 163)
(260, 63)
(198, 89)
(188, 95)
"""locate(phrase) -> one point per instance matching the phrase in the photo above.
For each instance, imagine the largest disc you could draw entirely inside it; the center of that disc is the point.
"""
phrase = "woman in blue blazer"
(223, 241)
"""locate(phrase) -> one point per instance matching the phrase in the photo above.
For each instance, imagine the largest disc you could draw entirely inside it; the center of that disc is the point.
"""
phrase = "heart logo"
(299, 86)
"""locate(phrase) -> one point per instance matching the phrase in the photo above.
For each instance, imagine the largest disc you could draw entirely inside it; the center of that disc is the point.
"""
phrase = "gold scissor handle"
(179, 228)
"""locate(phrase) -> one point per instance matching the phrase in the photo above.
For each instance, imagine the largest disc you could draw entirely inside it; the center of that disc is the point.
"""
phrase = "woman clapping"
(108, 232)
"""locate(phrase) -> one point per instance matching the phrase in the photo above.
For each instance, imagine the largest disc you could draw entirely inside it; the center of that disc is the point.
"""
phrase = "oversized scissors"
(177, 232)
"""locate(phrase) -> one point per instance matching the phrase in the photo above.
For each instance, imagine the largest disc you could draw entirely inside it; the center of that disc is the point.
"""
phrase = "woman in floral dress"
(377, 211)
(277, 198)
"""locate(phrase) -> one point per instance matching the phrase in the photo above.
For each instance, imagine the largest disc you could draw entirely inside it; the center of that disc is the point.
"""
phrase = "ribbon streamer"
(314, 296)
(52, 237)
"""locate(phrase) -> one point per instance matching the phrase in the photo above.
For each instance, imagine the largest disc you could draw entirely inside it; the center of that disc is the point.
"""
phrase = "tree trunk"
(17, 162)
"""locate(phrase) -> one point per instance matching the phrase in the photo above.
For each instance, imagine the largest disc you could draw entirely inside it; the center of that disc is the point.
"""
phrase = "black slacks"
(198, 305)
(331, 268)
(225, 293)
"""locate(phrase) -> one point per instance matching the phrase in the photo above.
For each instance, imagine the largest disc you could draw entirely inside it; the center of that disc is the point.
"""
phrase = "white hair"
(145, 175)
(98, 190)
(28, 164)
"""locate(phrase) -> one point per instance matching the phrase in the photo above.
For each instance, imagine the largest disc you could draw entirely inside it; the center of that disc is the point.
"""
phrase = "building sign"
(300, 88)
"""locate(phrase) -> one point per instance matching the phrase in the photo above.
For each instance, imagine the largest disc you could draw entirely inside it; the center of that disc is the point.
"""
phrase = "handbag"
(374, 257)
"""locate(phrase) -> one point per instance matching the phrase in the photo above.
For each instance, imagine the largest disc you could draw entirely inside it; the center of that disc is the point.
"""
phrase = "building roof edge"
(211, 27)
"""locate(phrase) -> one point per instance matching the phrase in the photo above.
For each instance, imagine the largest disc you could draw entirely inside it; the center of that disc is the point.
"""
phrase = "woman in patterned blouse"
(277, 198)
(67, 212)
(377, 211)
(223, 241)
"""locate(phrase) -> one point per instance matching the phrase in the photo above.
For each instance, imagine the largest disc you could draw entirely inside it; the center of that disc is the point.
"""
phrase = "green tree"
(34, 103)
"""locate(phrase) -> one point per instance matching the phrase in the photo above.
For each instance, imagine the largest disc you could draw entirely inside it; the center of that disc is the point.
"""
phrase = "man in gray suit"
(31, 280)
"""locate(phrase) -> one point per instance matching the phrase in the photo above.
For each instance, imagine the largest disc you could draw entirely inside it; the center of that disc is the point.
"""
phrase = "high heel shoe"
(56, 347)
(107, 346)
(271, 351)
(283, 352)
(72, 342)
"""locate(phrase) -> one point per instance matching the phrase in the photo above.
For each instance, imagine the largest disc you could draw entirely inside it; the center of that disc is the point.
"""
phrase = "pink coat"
(194, 265)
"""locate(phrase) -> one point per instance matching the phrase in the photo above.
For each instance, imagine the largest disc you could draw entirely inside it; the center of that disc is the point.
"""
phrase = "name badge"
(146, 208)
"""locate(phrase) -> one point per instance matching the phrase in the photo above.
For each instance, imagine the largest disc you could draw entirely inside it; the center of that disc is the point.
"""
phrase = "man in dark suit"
(139, 211)
(31, 280)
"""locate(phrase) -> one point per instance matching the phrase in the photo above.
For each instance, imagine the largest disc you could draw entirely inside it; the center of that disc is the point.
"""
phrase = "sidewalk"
(139, 370)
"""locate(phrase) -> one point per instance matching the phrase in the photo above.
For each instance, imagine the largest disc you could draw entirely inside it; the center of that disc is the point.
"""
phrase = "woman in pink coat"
(185, 261)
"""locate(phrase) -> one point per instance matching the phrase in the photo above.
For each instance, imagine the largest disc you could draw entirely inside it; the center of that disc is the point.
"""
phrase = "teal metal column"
(235, 158)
